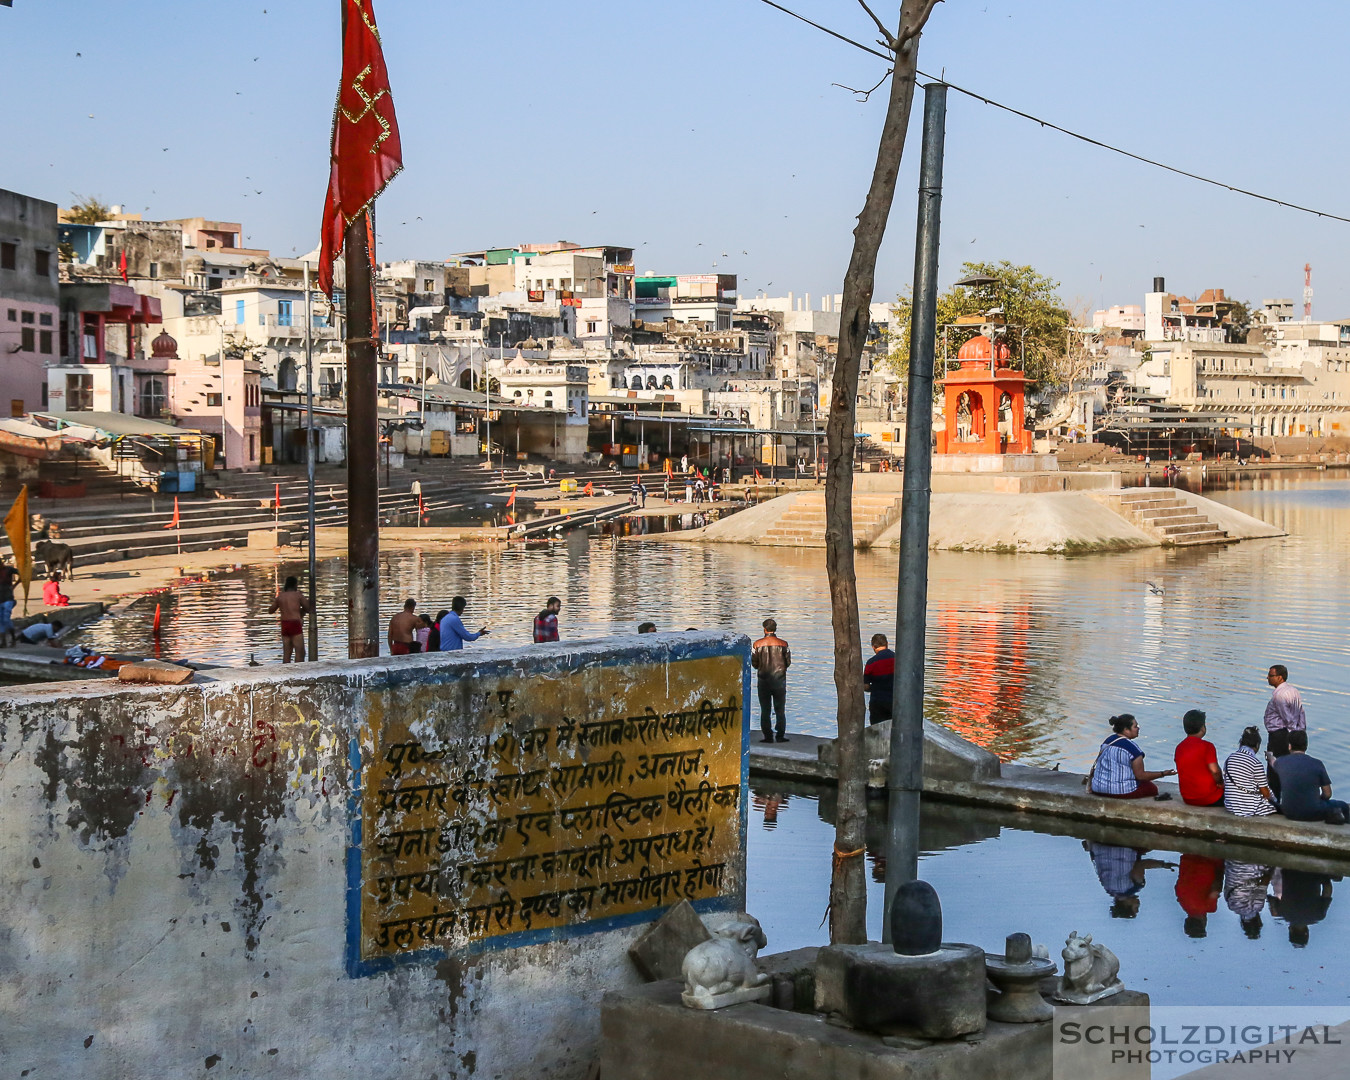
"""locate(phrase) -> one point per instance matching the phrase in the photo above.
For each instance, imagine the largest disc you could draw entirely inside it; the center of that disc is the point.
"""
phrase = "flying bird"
(1156, 590)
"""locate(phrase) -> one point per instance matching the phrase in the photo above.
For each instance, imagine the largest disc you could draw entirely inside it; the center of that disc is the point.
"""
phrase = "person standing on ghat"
(453, 633)
(879, 680)
(546, 622)
(1284, 711)
(403, 630)
(293, 607)
(771, 657)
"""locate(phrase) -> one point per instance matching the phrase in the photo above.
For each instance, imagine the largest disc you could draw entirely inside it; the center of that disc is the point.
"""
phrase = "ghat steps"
(803, 523)
(1169, 518)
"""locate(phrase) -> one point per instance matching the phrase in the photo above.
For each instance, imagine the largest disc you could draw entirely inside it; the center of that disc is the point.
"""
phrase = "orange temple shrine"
(985, 407)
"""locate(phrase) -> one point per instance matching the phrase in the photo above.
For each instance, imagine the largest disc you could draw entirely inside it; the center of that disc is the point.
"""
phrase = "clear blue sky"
(665, 126)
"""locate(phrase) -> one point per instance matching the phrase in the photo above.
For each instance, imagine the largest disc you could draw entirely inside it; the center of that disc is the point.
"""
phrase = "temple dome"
(164, 347)
(979, 348)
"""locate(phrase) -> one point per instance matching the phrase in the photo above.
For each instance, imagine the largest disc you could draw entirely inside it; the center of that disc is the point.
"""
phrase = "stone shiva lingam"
(1090, 972)
(918, 986)
(721, 971)
(1017, 975)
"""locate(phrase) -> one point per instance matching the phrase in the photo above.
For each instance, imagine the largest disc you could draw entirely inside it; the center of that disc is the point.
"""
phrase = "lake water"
(1027, 654)
(1188, 928)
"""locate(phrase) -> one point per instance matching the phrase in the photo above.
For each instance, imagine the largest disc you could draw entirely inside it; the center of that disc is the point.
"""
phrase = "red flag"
(589, 489)
(277, 504)
(367, 152)
(122, 264)
(512, 500)
(757, 476)
(174, 523)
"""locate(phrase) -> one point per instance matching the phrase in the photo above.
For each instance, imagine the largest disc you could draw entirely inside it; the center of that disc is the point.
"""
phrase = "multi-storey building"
(29, 310)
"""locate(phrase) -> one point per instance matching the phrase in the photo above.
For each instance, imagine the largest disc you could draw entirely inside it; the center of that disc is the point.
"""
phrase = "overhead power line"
(1234, 188)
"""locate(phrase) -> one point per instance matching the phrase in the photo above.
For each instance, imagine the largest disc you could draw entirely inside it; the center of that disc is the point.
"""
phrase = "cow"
(56, 556)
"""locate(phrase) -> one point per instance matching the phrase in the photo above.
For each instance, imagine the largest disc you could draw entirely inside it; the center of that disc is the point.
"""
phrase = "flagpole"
(309, 461)
(363, 464)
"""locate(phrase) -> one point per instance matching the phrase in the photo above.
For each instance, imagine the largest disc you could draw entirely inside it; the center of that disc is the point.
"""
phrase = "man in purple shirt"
(1284, 711)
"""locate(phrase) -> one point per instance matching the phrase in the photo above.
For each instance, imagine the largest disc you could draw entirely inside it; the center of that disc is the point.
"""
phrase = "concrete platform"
(1064, 795)
(646, 1034)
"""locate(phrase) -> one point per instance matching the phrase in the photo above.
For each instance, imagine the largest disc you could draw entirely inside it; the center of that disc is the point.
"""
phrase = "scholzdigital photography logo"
(1139, 1042)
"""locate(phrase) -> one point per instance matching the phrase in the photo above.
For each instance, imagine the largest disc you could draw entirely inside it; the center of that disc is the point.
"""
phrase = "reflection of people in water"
(1244, 891)
(770, 803)
(1199, 886)
(1300, 898)
(1121, 872)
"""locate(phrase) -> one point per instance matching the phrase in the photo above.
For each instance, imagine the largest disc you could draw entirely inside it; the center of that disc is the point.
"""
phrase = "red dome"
(978, 348)
(164, 347)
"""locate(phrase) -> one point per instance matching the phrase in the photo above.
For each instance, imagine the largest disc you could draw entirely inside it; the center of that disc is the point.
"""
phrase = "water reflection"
(1187, 924)
(1027, 654)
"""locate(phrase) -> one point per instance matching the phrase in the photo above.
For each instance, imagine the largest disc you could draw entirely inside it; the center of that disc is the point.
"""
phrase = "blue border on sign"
(401, 675)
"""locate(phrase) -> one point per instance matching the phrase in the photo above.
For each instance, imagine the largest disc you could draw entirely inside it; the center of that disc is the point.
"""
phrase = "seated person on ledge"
(52, 596)
(1246, 788)
(1305, 787)
(1198, 764)
(1119, 771)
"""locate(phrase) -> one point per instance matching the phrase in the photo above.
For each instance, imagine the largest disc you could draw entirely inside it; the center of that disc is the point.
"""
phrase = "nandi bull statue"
(721, 971)
(1090, 972)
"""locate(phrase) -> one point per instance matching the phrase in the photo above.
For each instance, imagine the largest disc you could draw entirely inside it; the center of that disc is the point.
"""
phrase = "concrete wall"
(195, 874)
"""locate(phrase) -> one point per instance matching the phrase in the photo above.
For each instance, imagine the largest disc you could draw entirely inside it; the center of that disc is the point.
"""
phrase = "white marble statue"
(722, 971)
(1090, 971)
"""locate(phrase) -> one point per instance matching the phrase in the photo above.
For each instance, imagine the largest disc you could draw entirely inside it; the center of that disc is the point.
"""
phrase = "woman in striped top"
(1246, 788)
(1119, 771)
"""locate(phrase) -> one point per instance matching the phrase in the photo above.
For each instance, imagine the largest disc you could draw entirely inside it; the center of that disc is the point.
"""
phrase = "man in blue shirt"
(1305, 787)
(453, 633)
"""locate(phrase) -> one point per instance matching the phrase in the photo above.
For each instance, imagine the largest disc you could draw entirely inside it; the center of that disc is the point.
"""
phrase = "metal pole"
(363, 460)
(906, 766)
(309, 464)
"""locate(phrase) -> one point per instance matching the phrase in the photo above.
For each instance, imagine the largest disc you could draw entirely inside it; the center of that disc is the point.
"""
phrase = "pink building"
(29, 312)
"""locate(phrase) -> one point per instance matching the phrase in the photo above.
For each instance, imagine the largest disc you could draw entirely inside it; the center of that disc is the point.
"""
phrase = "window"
(252, 449)
(591, 325)
(154, 400)
(79, 393)
(29, 342)
(45, 319)
(9, 256)
(13, 315)
(284, 312)
(43, 264)
(213, 400)
(154, 270)
(27, 317)
(428, 285)
(239, 312)
(45, 342)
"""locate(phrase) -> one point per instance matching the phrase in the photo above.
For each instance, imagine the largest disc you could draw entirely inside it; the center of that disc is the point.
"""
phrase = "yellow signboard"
(519, 804)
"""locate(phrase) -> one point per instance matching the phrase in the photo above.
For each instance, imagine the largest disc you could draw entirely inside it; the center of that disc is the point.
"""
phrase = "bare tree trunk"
(848, 885)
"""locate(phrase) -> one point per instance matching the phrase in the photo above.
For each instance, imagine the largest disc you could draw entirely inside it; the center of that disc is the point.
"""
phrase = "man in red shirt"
(1198, 764)
(1199, 886)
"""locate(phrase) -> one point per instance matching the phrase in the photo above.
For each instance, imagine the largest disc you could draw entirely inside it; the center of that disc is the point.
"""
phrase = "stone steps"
(1169, 518)
(803, 524)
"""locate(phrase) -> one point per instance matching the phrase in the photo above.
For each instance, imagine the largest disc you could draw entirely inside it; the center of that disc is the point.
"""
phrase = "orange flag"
(757, 476)
(366, 150)
(589, 489)
(174, 523)
(512, 500)
(17, 527)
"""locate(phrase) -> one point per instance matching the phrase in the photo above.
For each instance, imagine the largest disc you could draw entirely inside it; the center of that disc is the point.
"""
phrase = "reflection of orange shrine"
(985, 405)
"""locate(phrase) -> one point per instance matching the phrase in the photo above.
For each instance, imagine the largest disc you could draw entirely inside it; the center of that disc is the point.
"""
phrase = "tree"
(89, 210)
(848, 884)
(1022, 297)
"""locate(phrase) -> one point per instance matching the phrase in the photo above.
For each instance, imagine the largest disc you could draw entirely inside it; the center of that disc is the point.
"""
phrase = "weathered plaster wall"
(175, 901)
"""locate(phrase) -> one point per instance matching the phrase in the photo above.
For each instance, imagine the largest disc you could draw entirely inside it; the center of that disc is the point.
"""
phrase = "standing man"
(9, 574)
(879, 680)
(546, 622)
(771, 658)
(293, 606)
(403, 630)
(453, 632)
(1284, 711)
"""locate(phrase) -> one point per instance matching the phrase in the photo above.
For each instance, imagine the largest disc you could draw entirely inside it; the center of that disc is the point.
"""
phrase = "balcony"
(292, 329)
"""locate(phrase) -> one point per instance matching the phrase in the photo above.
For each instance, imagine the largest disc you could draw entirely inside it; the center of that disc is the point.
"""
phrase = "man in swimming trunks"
(293, 607)
(403, 630)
